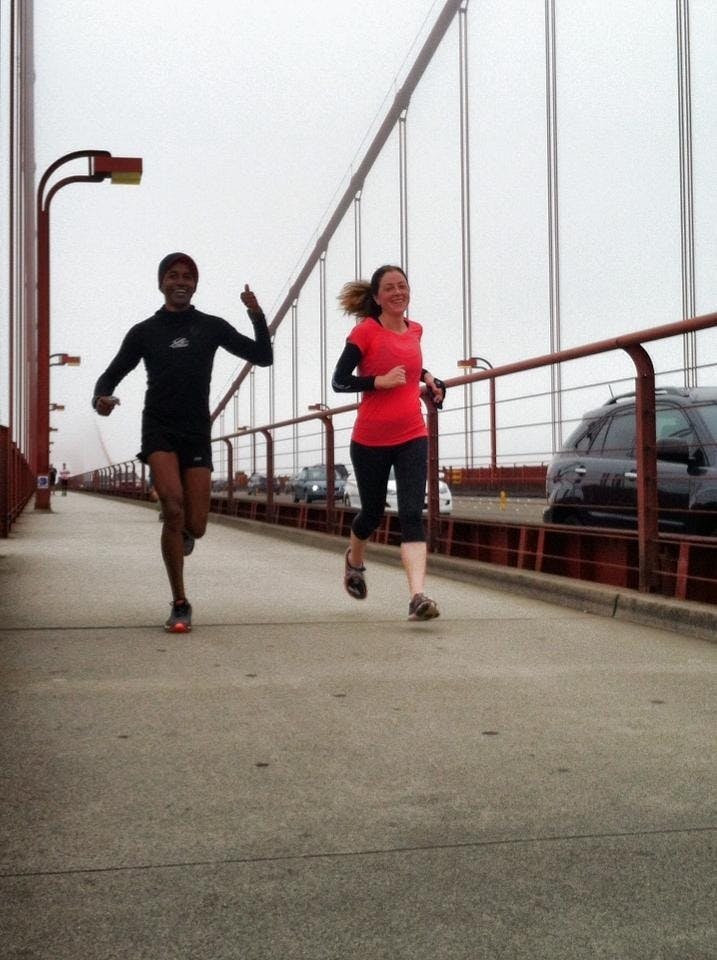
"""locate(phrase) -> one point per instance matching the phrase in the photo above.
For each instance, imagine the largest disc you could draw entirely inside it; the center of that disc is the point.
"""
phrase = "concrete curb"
(686, 617)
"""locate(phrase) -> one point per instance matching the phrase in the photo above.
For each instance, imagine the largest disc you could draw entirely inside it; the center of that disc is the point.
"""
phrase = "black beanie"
(171, 258)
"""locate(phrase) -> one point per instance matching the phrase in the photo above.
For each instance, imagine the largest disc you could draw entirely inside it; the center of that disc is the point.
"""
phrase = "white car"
(351, 496)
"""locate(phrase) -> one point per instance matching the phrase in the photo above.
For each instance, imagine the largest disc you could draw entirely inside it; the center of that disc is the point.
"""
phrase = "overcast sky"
(248, 116)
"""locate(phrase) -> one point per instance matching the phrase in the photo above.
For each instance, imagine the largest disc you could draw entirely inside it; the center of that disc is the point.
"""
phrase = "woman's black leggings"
(372, 466)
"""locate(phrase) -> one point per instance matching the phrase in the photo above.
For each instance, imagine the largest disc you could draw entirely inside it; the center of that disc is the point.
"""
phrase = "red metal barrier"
(685, 568)
(633, 345)
(518, 481)
(17, 482)
(645, 560)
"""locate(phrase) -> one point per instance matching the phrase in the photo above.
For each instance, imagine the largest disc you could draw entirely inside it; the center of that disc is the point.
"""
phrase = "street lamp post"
(325, 417)
(101, 166)
(480, 363)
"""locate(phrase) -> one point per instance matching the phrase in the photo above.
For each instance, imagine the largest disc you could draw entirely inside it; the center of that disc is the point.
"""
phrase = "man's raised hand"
(248, 298)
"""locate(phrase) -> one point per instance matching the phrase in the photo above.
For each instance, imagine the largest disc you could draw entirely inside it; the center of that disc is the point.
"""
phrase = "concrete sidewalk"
(305, 776)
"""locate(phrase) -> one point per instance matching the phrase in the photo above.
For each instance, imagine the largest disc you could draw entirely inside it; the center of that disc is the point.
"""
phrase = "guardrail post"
(269, 437)
(433, 499)
(493, 426)
(330, 473)
(230, 468)
(5, 481)
(646, 441)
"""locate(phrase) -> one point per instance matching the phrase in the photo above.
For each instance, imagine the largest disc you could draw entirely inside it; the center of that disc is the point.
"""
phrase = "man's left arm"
(259, 350)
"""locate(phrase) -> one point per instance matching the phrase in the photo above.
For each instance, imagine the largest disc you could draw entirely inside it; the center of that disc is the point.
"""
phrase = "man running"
(178, 344)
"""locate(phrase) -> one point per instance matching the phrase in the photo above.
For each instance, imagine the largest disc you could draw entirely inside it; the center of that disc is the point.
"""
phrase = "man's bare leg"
(168, 484)
(197, 486)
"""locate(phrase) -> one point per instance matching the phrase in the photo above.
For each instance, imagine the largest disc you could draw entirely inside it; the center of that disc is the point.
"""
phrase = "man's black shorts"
(191, 453)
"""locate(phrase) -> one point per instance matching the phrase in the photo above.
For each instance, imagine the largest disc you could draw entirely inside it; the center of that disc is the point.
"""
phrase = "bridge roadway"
(305, 776)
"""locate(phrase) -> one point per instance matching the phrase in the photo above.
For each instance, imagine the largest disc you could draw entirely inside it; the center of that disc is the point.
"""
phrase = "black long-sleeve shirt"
(178, 351)
(344, 380)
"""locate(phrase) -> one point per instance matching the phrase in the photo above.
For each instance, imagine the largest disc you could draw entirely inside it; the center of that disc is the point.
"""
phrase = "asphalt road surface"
(512, 510)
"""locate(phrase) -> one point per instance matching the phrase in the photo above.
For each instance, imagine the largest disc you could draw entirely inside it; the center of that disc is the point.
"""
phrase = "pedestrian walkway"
(307, 776)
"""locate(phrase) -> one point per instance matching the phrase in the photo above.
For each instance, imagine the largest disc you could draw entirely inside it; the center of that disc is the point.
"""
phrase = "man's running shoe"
(422, 607)
(354, 580)
(180, 617)
(188, 542)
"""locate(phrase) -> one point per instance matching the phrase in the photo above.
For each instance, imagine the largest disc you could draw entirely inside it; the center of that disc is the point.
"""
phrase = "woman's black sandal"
(354, 580)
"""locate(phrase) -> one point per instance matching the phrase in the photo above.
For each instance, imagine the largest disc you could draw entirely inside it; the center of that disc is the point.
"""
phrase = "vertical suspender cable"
(252, 421)
(357, 235)
(272, 388)
(553, 232)
(687, 225)
(252, 415)
(465, 228)
(357, 246)
(235, 409)
(222, 446)
(322, 326)
(403, 187)
(322, 342)
(295, 382)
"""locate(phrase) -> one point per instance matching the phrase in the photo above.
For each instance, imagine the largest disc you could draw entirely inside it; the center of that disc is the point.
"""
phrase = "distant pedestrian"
(53, 478)
(177, 345)
(390, 430)
(64, 479)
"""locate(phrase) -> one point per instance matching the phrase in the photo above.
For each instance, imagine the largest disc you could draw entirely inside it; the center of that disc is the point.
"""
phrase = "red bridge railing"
(17, 482)
(644, 560)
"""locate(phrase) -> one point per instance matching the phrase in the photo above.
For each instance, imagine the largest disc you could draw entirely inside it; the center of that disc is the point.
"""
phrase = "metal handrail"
(632, 344)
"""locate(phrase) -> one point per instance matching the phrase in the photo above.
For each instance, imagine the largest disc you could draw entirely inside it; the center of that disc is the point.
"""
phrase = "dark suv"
(310, 484)
(257, 483)
(593, 480)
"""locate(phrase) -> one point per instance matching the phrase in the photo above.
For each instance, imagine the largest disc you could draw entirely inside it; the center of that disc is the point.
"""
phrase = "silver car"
(351, 496)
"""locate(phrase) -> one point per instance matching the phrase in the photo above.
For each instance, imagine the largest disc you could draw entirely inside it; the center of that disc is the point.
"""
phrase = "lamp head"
(118, 169)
